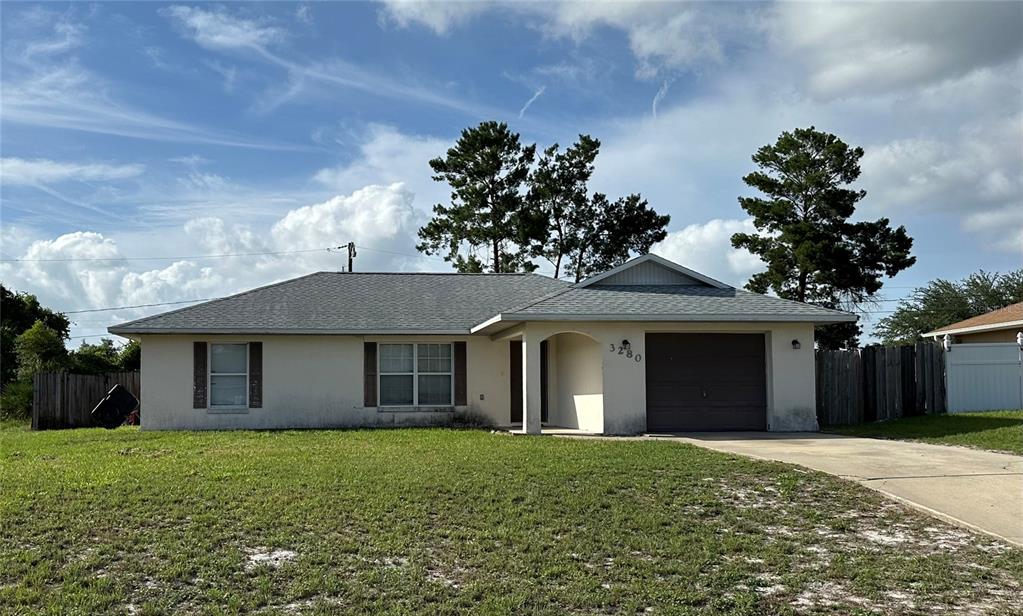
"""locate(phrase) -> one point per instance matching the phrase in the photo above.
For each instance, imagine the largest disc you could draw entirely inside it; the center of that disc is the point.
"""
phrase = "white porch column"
(530, 382)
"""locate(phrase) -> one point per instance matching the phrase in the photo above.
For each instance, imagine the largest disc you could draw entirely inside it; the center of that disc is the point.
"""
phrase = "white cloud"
(441, 17)
(664, 37)
(69, 97)
(867, 48)
(304, 14)
(221, 31)
(46, 86)
(197, 182)
(684, 40)
(707, 249)
(22, 172)
(67, 36)
(661, 93)
(977, 174)
(380, 217)
(83, 270)
(539, 92)
(387, 156)
(218, 30)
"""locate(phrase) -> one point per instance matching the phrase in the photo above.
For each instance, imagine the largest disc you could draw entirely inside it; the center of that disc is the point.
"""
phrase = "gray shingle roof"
(356, 302)
(334, 302)
(679, 302)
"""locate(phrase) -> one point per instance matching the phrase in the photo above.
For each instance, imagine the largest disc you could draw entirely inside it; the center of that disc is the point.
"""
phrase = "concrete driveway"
(978, 489)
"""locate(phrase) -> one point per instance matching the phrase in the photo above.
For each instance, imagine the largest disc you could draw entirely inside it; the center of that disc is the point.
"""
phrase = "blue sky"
(138, 137)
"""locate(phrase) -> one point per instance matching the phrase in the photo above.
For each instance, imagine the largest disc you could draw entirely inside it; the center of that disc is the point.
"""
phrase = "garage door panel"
(706, 382)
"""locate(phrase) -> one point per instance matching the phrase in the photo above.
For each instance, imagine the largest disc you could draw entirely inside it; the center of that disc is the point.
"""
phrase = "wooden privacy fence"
(62, 400)
(880, 382)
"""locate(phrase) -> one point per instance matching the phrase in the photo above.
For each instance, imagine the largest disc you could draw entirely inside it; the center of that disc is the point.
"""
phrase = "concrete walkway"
(978, 489)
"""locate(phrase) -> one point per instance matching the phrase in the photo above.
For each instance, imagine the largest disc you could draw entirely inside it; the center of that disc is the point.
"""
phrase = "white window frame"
(415, 375)
(209, 378)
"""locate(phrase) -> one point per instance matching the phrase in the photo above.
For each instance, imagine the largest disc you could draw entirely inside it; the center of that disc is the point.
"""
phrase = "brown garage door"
(705, 382)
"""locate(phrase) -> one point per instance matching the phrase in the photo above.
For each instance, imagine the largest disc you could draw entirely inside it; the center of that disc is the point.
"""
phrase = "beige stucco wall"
(791, 402)
(316, 381)
(576, 383)
(308, 382)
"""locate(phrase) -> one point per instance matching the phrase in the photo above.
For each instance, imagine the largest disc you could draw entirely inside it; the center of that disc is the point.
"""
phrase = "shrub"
(16, 400)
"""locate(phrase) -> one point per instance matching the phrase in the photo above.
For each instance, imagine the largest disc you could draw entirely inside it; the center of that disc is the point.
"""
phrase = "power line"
(400, 254)
(215, 256)
(184, 301)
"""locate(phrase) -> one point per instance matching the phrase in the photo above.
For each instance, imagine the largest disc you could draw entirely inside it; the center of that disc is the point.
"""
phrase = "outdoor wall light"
(625, 343)
(795, 345)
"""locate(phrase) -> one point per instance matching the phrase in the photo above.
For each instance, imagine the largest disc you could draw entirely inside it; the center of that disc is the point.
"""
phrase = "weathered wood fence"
(62, 400)
(880, 382)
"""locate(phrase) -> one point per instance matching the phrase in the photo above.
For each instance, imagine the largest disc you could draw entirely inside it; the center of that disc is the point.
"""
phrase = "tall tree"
(558, 194)
(813, 252)
(39, 348)
(605, 233)
(18, 312)
(486, 169)
(943, 302)
(98, 358)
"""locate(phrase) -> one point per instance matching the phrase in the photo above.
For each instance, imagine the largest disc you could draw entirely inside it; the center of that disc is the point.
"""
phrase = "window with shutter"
(198, 375)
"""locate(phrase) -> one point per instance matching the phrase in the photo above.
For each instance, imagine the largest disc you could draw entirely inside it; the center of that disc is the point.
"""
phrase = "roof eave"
(687, 318)
(121, 331)
(974, 329)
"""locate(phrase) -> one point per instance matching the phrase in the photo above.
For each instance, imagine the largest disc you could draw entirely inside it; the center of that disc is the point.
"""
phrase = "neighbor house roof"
(357, 303)
(336, 302)
(1010, 317)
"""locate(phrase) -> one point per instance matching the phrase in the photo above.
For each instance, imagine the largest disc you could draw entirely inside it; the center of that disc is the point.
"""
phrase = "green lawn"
(444, 522)
(996, 430)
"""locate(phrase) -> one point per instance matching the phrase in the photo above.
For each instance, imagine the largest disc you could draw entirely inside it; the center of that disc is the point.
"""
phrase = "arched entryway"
(575, 382)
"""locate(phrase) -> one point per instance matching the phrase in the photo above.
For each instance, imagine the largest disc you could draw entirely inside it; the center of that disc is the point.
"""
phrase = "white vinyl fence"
(984, 377)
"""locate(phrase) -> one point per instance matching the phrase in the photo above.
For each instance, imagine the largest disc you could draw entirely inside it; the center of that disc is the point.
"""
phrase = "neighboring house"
(1000, 325)
(646, 346)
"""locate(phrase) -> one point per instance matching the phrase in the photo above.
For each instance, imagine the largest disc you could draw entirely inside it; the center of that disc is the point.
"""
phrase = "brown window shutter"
(515, 379)
(369, 385)
(461, 397)
(199, 375)
(255, 375)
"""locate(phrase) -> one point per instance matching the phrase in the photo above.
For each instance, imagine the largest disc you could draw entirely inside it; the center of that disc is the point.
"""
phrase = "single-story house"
(1000, 325)
(648, 346)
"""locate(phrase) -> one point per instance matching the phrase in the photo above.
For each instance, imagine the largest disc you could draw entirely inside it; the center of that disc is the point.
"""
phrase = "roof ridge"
(434, 274)
(793, 301)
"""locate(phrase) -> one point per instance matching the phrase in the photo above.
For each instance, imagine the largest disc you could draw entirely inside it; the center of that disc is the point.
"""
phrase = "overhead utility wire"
(216, 256)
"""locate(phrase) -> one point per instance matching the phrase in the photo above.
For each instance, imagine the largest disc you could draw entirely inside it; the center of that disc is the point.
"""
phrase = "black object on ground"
(115, 407)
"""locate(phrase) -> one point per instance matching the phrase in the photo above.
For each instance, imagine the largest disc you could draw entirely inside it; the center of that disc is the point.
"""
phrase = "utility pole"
(351, 254)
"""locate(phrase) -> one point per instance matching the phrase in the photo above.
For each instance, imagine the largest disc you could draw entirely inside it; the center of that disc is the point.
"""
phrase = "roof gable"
(648, 270)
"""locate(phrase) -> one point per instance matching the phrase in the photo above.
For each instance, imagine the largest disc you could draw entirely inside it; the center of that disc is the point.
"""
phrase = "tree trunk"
(497, 256)
(557, 266)
(801, 293)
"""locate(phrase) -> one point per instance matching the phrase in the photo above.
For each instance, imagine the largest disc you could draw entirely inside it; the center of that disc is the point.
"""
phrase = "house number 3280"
(627, 352)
